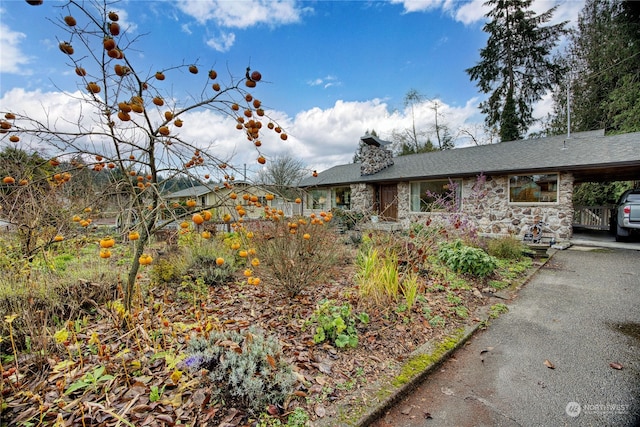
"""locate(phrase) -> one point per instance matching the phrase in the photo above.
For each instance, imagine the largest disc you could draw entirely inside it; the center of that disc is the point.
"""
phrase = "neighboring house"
(505, 188)
(217, 198)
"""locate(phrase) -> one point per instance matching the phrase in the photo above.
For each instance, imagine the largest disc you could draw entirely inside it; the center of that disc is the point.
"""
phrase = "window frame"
(447, 181)
(323, 194)
(540, 200)
(346, 194)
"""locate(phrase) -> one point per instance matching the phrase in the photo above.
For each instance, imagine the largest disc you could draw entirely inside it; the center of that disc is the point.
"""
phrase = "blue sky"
(331, 69)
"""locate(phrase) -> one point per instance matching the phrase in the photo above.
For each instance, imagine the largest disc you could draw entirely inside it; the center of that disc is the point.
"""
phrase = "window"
(341, 198)
(435, 196)
(316, 199)
(533, 188)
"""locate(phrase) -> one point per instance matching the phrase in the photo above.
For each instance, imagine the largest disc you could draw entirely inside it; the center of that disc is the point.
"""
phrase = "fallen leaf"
(549, 365)
(324, 366)
(615, 365)
(165, 419)
(271, 361)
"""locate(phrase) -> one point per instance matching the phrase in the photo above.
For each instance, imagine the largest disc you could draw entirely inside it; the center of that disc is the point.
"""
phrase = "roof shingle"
(579, 151)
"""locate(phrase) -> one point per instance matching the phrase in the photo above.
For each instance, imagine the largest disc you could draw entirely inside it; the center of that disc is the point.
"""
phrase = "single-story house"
(504, 188)
(218, 198)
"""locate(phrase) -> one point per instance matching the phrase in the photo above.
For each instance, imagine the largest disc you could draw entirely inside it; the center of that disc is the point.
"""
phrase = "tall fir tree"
(516, 67)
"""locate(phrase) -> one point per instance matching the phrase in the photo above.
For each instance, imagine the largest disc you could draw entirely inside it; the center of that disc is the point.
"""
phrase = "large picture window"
(435, 196)
(533, 188)
(317, 199)
(341, 198)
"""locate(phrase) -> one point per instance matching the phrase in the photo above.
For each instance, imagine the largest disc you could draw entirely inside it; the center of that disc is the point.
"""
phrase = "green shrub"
(247, 369)
(506, 248)
(466, 259)
(168, 270)
(336, 324)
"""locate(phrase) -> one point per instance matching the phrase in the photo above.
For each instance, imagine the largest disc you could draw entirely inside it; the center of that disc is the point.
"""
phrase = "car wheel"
(621, 233)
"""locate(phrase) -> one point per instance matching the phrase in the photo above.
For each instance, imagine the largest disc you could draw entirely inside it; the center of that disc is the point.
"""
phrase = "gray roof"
(591, 156)
(201, 190)
(198, 191)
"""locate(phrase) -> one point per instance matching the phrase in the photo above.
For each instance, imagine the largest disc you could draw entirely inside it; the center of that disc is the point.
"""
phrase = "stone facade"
(362, 198)
(374, 159)
(487, 206)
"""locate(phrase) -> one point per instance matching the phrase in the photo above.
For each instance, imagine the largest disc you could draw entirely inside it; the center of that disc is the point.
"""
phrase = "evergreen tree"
(604, 82)
(603, 86)
(516, 68)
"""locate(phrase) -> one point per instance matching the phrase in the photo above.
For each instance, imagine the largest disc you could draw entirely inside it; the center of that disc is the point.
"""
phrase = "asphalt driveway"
(553, 360)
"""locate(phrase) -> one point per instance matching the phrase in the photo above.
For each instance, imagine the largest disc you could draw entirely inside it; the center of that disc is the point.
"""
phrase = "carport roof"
(590, 156)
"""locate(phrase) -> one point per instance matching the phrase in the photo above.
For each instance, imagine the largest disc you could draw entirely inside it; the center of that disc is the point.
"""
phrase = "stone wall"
(374, 159)
(489, 208)
(362, 197)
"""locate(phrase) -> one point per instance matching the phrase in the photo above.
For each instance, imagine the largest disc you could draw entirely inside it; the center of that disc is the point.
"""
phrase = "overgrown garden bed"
(268, 325)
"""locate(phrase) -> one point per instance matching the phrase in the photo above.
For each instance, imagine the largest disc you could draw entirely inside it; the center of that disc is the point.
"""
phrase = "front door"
(388, 206)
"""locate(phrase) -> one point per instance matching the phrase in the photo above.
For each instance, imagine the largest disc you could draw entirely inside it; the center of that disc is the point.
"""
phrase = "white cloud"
(321, 138)
(325, 138)
(325, 82)
(243, 14)
(567, 10)
(186, 29)
(223, 42)
(12, 57)
(471, 12)
(420, 5)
